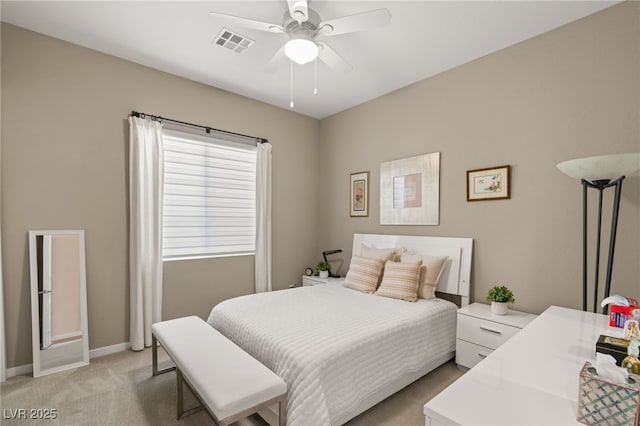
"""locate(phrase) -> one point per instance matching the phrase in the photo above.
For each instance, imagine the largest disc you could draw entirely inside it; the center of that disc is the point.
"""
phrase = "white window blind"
(209, 206)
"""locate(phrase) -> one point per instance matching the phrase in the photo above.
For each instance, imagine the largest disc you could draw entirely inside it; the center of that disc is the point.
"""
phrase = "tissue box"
(618, 314)
(613, 346)
(604, 403)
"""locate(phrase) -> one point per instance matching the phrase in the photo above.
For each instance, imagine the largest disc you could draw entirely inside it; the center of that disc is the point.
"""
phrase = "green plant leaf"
(500, 293)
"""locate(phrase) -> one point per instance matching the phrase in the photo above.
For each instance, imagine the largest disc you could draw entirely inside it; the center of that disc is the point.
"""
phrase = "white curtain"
(263, 218)
(145, 228)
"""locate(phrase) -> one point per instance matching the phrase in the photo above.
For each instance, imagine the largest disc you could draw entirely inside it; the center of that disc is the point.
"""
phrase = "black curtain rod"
(205, 128)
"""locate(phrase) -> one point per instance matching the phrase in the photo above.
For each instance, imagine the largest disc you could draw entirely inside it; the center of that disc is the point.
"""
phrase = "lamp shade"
(301, 49)
(604, 167)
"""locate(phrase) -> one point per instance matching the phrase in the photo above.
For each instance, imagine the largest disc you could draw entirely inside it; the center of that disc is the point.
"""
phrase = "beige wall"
(569, 93)
(64, 137)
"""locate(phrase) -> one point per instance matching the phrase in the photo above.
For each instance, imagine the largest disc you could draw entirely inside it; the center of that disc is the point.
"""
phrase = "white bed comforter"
(334, 346)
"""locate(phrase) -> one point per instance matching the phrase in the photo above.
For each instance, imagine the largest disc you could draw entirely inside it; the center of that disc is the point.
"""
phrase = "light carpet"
(119, 389)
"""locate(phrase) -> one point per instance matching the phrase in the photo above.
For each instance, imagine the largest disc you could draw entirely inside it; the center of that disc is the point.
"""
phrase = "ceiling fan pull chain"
(291, 86)
(315, 76)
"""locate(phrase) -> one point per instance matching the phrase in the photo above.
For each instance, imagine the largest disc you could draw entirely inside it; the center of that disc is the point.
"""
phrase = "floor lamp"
(600, 173)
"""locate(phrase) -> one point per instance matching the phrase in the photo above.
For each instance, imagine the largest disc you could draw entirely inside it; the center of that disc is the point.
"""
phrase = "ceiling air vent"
(233, 41)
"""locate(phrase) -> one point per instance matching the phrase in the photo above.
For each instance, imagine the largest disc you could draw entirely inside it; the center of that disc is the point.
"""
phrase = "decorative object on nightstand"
(600, 172)
(324, 256)
(323, 269)
(479, 332)
(500, 296)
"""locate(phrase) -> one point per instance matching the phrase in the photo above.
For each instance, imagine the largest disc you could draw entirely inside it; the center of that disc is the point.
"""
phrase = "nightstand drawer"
(482, 332)
(468, 354)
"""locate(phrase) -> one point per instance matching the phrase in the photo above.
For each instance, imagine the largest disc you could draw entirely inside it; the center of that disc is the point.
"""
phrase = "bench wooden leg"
(154, 358)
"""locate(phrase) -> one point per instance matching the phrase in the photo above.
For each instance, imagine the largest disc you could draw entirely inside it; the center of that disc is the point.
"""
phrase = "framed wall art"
(410, 191)
(493, 183)
(359, 199)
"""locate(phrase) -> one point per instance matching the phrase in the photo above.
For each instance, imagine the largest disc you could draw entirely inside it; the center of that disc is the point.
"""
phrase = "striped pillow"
(364, 274)
(400, 281)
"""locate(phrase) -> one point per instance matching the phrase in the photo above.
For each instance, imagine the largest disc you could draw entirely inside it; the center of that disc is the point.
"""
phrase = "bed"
(341, 351)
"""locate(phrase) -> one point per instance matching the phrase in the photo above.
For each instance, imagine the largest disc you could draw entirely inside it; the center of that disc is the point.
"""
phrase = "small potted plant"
(323, 269)
(500, 296)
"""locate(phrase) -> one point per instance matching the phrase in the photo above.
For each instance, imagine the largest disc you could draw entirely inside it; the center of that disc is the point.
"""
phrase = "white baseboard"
(108, 350)
(19, 370)
(93, 353)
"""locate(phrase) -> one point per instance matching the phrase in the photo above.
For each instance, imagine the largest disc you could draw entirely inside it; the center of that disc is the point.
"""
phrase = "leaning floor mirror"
(58, 301)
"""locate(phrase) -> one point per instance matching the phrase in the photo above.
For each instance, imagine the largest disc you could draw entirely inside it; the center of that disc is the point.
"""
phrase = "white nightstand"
(313, 280)
(480, 331)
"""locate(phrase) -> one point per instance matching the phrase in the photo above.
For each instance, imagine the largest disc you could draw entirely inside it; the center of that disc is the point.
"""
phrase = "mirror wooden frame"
(38, 369)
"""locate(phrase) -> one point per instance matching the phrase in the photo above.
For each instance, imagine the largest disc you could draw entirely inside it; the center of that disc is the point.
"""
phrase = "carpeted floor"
(119, 390)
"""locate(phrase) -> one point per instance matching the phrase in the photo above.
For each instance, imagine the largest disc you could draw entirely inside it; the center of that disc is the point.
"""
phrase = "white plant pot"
(499, 308)
(323, 274)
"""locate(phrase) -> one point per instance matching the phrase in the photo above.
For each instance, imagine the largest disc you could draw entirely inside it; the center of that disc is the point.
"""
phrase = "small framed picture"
(493, 183)
(359, 199)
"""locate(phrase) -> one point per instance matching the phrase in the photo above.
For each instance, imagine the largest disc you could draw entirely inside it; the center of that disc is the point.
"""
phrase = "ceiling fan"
(303, 26)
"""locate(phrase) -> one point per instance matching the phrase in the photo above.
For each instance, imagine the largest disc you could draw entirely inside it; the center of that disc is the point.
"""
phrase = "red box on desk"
(618, 314)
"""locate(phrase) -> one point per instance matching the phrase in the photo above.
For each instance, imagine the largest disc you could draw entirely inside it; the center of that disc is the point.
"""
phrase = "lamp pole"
(600, 172)
(600, 185)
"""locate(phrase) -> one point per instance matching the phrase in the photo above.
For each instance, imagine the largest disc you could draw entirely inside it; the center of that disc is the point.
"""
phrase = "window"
(209, 206)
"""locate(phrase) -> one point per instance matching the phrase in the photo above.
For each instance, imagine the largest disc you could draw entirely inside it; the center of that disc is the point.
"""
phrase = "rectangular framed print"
(410, 191)
(359, 199)
(489, 184)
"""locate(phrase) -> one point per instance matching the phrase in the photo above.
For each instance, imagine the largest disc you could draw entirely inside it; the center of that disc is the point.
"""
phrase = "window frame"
(219, 141)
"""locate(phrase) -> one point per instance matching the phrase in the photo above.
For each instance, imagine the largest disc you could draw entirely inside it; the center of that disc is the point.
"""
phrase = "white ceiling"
(424, 39)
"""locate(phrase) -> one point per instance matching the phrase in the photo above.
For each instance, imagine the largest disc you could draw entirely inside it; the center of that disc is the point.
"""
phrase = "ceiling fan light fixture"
(326, 29)
(301, 49)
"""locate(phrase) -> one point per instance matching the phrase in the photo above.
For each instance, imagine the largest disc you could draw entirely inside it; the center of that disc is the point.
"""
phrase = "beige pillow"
(400, 281)
(379, 253)
(364, 274)
(432, 267)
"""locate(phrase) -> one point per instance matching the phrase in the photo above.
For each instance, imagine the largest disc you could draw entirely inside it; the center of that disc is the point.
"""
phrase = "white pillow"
(430, 272)
(379, 253)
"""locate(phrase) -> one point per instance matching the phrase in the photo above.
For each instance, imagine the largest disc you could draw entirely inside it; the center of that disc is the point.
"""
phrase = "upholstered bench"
(228, 382)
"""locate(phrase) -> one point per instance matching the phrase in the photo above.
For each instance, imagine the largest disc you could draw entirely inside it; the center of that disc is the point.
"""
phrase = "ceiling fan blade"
(246, 22)
(298, 10)
(358, 22)
(332, 59)
(277, 60)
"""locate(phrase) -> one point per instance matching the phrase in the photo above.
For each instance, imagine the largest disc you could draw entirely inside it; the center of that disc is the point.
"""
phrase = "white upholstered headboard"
(456, 277)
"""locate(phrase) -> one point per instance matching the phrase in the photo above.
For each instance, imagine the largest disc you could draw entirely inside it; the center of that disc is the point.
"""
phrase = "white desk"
(532, 379)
